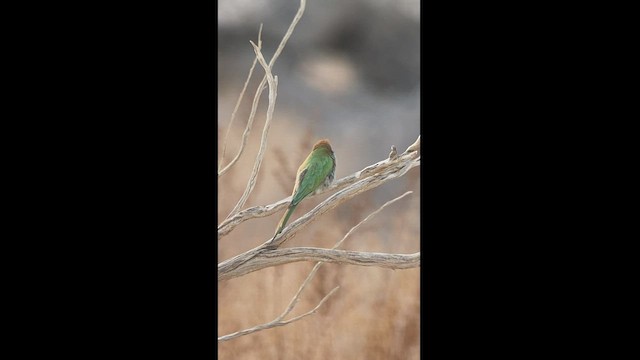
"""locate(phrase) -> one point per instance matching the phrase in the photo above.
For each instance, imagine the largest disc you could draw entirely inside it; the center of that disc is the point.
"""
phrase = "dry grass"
(374, 314)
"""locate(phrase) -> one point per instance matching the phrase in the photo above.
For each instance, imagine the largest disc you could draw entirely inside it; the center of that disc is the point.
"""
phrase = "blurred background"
(350, 73)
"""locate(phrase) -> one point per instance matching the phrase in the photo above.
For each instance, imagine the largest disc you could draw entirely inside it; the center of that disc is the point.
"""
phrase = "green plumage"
(316, 173)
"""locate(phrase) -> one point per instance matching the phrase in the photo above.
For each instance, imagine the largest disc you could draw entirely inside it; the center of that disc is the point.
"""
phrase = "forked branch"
(294, 300)
(402, 163)
(262, 85)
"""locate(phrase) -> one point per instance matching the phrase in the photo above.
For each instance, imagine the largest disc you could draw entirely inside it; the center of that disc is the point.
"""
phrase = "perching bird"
(315, 174)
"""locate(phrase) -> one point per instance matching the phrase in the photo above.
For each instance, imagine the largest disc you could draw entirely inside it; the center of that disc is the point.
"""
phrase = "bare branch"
(257, 260)
(273, 93)
(370, 216)
(415, 146)
(277, 322)
(294, 300)
(247, 129)
(407, 158)
(313, 271)
(314, 309)
(287, 35)
(255, 212)
(235, 110)
(340, 197)
(262, 86)
(404, 164)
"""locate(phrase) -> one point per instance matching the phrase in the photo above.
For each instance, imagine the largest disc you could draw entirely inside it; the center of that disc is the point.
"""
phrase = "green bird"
(315, 174)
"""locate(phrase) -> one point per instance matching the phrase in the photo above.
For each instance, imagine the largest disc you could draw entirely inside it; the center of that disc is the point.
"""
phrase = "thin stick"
(235, 109)
(401, 162)
(278, 321)
(247, 129)
(370, 216)
(254, 261)
(262, 86)
(303, 4)
(273, 93)
(313, 271)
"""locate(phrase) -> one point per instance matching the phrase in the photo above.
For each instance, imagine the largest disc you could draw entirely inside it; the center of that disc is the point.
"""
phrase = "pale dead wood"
(393, 154)
(235, 111)
(287, 35)
(369, 217)
(257, 260)
(415, 146)
(313, 271)
(294, 300)
(273, 94)
(370, 182)
(262, 85)
(276, 322)
(408, 158)
(247, 129)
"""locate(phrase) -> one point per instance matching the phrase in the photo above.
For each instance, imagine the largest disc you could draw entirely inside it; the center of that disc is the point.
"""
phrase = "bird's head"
(324, 143)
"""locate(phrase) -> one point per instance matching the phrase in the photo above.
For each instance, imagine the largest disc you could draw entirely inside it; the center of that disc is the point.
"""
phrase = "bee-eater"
(315, 174)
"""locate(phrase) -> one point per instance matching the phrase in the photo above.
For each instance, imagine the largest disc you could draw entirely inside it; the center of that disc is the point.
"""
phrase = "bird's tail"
(284, 219)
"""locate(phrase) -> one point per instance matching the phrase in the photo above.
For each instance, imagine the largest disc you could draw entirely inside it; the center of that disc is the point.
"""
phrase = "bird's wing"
(311, 177)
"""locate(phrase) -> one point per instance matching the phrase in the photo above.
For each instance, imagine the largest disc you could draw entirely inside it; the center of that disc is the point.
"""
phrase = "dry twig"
(233, 115)
(262, 86)
(408, 158)
(273, 93)
(258, 259)
(252, 260)
(277, 321)
(294, 300)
